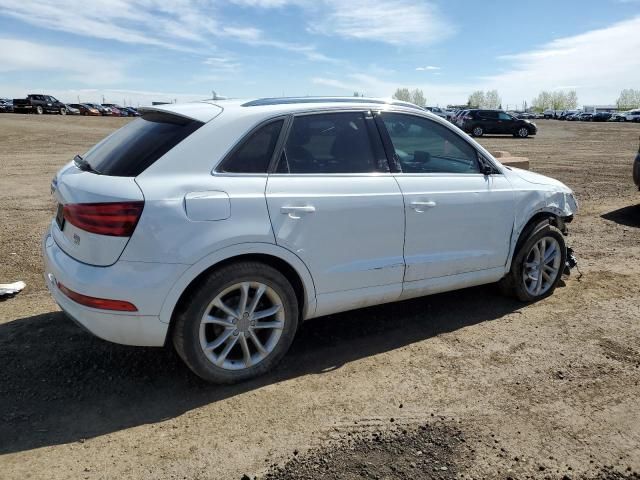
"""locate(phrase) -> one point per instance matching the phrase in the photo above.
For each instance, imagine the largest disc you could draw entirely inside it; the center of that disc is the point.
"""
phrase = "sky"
(138, 51)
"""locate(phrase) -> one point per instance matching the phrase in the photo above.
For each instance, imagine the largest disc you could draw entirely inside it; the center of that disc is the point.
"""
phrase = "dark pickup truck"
(39, 104)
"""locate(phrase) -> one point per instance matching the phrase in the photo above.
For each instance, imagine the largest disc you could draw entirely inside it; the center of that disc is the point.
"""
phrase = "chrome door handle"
(294, 212)
(420, 207)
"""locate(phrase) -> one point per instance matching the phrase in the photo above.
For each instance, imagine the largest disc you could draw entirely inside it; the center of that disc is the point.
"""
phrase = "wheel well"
(535, 220)
(283, 267)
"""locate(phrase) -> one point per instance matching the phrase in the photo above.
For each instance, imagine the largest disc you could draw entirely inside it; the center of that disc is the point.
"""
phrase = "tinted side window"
(129, 151)
(255, 153)
(489, 115)
(505, 116)
(424, 146)
(329, 143)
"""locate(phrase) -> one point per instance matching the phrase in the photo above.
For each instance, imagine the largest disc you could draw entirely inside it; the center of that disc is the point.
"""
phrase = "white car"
(632, 116)
(221, 225)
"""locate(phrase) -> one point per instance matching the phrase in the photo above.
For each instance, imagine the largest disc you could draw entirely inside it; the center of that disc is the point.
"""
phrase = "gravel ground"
(480, 384)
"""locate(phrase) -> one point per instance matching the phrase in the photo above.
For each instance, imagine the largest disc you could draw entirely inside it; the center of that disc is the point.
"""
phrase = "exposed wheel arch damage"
(556, 205)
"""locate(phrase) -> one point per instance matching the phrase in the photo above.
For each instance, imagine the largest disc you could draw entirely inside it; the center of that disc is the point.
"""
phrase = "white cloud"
(398, 22)
(76, 64)
(598, 64)
(183, 25)
(427, 68)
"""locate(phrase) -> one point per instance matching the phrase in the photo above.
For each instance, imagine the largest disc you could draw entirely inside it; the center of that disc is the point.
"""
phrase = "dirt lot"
(459, 385)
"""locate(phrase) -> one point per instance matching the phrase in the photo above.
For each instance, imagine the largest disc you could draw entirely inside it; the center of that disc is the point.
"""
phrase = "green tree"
(402, 94)
(492, 99)
(476, 99)
(629, 98)
(417, 97)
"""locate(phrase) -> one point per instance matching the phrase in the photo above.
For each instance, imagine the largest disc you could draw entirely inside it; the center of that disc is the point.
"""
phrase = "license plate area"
(60, 216)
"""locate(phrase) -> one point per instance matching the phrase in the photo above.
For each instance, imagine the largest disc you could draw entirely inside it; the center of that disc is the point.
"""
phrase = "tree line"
(546, 100)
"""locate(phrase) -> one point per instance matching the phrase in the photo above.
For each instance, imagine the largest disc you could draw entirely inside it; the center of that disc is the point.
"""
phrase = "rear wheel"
(477, 131)
(537, 265)
(237, 324)
(63, 111)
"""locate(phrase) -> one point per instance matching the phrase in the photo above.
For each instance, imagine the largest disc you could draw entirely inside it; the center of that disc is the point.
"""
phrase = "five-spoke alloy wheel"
(538, 263)
(237, 323)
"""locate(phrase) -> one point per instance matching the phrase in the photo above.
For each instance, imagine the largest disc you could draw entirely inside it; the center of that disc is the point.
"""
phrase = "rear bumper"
(143, 284)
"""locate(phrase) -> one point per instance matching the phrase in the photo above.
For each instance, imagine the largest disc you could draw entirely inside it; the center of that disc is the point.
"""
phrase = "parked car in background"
(618, 117)
(39, 104)
(572, 117)
(104, 111)
(116, 110)
(565, 114)
(6, 105)
(549, 113)
(438, 111)
(72, 110)
(633, 115)
(228, 223)
(85, 109)
(132, 112)
(585, 117)
(457, 119)
(478, 122)
(601, 117)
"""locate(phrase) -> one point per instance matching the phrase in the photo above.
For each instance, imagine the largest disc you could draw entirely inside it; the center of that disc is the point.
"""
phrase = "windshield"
(132, 149)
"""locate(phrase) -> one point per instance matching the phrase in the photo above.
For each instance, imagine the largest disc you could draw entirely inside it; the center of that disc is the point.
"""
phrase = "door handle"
(420, 206)
(294, 212)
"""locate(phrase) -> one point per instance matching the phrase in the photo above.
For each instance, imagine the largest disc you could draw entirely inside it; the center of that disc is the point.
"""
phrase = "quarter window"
(424, 146)
(330, 143)
(255, 153)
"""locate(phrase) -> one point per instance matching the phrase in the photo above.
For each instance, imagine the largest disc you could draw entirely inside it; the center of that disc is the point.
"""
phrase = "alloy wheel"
(523, 132)
(542, 266)
(242, 325)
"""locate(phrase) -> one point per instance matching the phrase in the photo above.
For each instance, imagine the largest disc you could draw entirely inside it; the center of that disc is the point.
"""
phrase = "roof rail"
(260, 102)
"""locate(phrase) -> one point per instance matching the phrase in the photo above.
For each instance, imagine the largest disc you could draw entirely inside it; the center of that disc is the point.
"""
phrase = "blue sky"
(142, 50)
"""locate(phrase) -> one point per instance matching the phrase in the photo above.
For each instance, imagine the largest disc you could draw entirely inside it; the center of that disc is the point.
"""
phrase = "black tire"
(186, 330)
(39, 110)
(522, 132)
(63, 111)
(477, 131)
(513, 284)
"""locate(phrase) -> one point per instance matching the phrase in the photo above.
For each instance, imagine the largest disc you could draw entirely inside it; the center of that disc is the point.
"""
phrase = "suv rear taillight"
(112, 219)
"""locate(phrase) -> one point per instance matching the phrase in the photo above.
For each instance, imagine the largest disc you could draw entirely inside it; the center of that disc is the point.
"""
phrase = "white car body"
(352, 240)
(632, 116)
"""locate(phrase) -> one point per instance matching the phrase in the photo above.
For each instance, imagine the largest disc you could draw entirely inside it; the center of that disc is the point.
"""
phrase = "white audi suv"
(221, 225)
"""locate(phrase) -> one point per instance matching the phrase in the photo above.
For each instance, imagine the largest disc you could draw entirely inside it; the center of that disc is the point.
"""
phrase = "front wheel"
(63, 111)
(477, 131)
(237, 324)
(537, 265)
(523, 132)
(39, 110)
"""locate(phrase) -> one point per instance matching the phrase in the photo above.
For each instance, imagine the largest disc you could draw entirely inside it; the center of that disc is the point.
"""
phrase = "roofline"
(268, 101)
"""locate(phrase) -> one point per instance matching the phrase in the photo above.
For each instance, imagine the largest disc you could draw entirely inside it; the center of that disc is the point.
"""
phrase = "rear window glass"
(132, 149)
(254, 155)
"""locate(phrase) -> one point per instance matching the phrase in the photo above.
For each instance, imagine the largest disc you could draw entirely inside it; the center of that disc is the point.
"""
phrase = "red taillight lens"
(101, 303)
(113, 219)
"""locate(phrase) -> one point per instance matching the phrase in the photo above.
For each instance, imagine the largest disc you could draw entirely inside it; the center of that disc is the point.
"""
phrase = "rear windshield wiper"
(83, 165)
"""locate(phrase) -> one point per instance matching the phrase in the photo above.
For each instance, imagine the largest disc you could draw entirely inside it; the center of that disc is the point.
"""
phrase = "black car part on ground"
(636, 169)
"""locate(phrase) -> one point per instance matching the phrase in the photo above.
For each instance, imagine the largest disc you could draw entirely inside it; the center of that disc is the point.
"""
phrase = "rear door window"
(132, 149)
(331, 143)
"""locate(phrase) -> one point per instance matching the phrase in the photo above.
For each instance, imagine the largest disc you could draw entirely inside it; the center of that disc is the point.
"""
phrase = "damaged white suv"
(222, 225)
